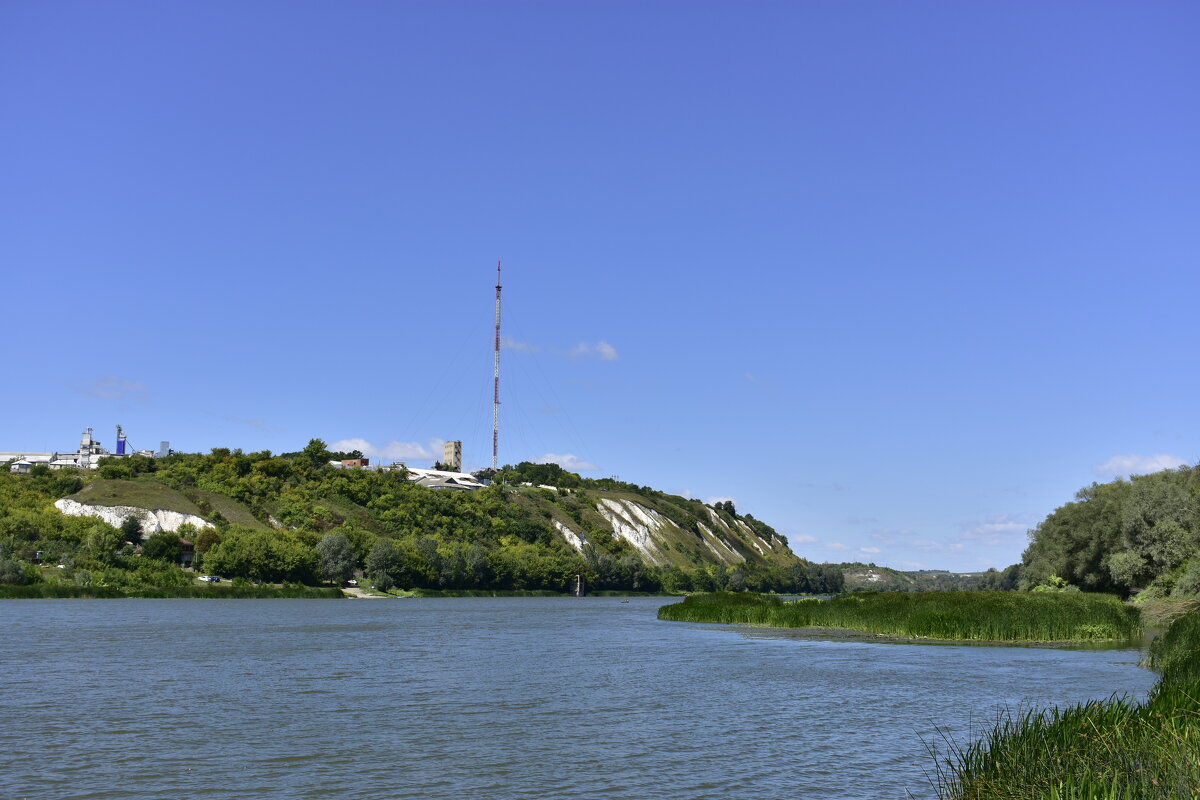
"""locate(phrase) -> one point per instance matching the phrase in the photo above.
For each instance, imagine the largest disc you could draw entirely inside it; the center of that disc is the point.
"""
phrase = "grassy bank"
(68, 590)
(1116, 749)
(969, 616)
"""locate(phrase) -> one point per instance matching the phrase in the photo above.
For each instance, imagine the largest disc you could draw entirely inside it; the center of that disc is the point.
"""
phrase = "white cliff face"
(636, 525)
(730, 555)
(152, 521)
(576, 540)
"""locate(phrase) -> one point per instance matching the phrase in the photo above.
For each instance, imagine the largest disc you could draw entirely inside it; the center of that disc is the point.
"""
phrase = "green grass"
(1176, 654)
(1115, 749)
(233, 511)
(150, 494)
(960, 616)
(142, 494)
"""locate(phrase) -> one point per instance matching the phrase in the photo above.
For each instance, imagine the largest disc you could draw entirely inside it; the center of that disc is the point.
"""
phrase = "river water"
(549, 698)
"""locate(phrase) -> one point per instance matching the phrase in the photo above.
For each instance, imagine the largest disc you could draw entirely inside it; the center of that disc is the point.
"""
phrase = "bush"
(1188, 584)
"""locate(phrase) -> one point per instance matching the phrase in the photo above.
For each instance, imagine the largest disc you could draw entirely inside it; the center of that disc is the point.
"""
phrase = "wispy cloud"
(509, 343)
(114, 387)
(1118, 466)
(837, 546)
(994, 530)
(870, 550)
(602, 350)
(891, 535)
(568, 461)
(802, 538)
(396, 451)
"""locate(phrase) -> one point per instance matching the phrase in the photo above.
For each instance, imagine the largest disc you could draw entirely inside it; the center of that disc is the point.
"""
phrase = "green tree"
(262, 555)
(384, 563)
(131, 529)
(102, 542)
(316, 453)
(337, 557)
(163, 546)
(13, 572)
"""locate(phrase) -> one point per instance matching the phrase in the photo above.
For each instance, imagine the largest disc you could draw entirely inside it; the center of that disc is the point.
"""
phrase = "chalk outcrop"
(637, 525)
(576, 539)
(153, 520)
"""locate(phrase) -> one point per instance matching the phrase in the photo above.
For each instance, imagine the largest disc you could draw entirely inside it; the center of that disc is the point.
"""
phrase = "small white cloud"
(871, 550)
(508, 343)
(113, 387)
(994, 530)
(602, 350)
(396, 451)
(1119, 466)
(836, 546)
(802, 538)
(568, 461)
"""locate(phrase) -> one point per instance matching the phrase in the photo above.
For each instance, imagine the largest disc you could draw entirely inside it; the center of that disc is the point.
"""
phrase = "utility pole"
(496, 376)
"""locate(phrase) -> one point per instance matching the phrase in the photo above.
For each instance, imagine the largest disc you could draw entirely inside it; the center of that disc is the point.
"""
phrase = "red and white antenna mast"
(496, 394)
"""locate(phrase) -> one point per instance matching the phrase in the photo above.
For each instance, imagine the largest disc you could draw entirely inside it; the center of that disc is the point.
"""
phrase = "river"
(553, 698)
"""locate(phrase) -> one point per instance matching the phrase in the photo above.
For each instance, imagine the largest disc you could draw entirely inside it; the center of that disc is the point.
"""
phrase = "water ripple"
(530, 698)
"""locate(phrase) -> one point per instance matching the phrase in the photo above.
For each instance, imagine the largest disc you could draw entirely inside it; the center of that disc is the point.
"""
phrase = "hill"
(536, 527)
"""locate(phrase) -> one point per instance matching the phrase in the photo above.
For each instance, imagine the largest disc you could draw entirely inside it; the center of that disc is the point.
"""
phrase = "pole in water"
(496, 379)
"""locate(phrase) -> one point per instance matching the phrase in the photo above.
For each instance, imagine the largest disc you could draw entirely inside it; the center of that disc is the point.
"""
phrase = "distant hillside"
(861, 577)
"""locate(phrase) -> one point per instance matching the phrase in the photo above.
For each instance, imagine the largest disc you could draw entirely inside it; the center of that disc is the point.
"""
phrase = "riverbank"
(45, 591)
(1116, 749)
(998, 617)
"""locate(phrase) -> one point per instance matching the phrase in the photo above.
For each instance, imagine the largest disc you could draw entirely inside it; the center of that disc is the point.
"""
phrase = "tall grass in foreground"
(970, 616)
(1116, 749)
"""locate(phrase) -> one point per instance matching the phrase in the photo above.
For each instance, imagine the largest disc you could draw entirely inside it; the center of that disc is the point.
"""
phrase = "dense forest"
(294, 518)
(1140, 535)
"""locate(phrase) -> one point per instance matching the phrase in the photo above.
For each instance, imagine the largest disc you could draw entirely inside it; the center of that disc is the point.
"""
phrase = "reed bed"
(1116, 749)
(959, 616)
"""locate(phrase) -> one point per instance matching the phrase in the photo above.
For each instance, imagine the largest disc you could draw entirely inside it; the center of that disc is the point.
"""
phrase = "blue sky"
(897, 278)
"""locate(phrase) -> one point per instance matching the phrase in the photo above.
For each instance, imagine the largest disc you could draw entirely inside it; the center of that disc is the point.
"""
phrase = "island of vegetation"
(950, 616)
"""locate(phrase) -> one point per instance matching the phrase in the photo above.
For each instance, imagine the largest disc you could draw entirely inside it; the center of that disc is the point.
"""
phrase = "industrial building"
(86, 457)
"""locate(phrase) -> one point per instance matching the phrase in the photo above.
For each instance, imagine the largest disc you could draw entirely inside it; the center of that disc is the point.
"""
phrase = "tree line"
(1124, 536)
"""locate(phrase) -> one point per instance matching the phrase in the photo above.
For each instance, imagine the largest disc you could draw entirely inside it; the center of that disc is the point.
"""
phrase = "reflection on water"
(521, 697)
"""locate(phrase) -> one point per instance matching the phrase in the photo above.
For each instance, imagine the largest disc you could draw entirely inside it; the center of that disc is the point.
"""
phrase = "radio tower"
(496, 394)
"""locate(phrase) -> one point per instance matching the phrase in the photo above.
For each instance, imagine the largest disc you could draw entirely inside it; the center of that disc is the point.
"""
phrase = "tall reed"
(968, 616)
(1115, 749)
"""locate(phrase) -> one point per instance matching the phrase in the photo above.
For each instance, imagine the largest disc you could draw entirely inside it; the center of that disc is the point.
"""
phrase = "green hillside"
(293, 517)
(141, 494)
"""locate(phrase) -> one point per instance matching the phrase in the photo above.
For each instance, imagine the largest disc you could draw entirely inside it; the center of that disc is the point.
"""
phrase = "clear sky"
(897, 278)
